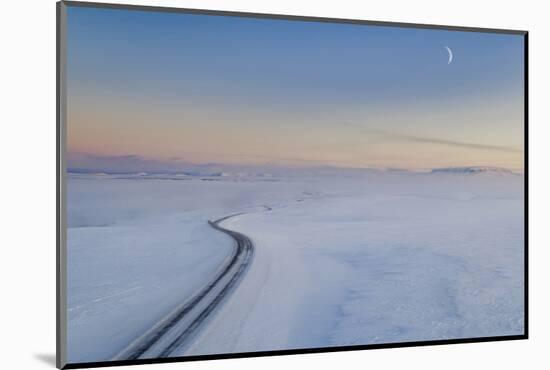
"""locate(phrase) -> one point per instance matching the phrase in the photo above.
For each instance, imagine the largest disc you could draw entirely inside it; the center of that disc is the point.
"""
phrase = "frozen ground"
(345, 257)
(139, 246)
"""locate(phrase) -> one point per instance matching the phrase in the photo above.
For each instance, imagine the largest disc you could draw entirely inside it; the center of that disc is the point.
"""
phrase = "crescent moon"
(450, 54)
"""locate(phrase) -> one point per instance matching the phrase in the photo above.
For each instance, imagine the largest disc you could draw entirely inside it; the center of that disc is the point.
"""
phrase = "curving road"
(171, 335)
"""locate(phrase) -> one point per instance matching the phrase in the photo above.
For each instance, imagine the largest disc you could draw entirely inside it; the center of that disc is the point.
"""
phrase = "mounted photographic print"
(235, 184)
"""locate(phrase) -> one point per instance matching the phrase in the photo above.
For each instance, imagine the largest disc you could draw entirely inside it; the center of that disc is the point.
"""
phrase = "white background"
(27, 203)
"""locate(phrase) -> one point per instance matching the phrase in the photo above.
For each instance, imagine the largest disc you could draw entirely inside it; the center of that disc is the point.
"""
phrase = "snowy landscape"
(341, 257)
(240, 184)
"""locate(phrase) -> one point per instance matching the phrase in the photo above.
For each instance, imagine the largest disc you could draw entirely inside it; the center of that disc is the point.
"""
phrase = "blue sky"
(197, 79)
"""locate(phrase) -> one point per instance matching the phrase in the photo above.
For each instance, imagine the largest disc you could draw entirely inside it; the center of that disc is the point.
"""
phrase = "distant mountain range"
(137, 166)
(217, 171)
(473, 170)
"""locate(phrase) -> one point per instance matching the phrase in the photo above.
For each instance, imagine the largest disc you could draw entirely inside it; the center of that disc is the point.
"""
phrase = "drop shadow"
(46, 358)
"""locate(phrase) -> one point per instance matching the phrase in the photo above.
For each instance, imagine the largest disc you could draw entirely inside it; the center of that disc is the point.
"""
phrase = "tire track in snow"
(175, 331)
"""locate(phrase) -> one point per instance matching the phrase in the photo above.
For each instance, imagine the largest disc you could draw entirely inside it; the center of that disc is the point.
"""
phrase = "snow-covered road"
(173, 332)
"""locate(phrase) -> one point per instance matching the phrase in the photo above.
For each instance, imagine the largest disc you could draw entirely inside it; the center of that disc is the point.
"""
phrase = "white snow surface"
(341, 258)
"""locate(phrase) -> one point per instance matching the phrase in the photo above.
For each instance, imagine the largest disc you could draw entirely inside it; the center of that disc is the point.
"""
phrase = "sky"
(176, 88)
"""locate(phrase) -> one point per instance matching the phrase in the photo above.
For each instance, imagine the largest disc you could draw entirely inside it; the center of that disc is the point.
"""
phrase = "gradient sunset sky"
(197, 88)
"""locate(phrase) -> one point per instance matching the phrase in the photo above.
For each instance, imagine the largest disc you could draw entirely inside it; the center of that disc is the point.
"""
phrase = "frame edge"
(61, 246)
(288, 17)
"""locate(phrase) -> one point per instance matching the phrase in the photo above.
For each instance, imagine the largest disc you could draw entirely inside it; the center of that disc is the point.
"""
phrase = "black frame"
(60, 188)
